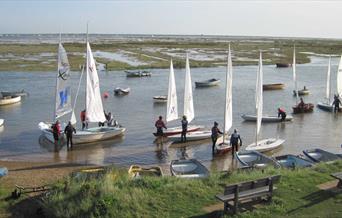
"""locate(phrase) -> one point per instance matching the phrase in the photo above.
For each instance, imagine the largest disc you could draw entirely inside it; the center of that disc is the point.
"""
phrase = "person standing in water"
(69, 130)
(56, 130)
(159, 124)
(215, 131)
(234, 142)
(83, 119)
(336, 103)
(184, 129)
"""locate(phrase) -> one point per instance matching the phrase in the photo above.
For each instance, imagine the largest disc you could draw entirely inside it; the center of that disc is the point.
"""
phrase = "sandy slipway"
(144, 52)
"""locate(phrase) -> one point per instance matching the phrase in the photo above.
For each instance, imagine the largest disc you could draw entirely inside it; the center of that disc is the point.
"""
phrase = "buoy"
(105, 95)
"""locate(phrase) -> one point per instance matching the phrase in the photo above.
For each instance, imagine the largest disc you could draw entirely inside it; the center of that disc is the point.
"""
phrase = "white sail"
(172, 107)
(258, 96)
(188, 99)
(228, 113)
(94, 108)
(327, 91)
(339, 78)
(63, 90)
(294, 72)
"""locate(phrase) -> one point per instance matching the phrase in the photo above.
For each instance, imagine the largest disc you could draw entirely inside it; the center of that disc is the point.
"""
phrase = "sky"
(284, 18)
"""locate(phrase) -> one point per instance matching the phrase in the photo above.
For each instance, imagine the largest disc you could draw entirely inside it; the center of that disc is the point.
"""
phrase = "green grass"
(241, 48)
(116, 195)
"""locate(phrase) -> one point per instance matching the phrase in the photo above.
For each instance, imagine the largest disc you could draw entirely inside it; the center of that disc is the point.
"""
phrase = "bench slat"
(223, 197)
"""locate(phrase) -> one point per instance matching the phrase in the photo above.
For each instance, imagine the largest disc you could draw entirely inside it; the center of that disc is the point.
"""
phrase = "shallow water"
(20, 137)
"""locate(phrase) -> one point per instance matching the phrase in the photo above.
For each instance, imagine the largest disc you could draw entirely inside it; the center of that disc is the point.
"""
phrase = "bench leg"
(235, 209)
(225, 209)
(339, 184)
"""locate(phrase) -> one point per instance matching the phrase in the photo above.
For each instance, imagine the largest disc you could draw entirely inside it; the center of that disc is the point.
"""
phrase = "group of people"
(68, 131)
(235, 138)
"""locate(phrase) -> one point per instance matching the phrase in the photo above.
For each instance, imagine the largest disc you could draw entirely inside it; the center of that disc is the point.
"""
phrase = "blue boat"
(293, 161)
(319, 155)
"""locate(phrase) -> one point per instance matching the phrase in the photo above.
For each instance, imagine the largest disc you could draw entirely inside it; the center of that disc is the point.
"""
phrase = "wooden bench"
(339, 177)
(236, 193)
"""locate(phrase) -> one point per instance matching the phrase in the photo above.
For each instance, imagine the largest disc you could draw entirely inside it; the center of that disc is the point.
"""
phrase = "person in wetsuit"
(215, 131)
(184, 129)
(69, 130)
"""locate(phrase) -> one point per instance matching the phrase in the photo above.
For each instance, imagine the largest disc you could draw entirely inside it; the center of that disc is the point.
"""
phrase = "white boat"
(255, 159)
(138, 73)
(2, 122)
(328, 105)
(224, 146)
(188, 169)
(160, 99)
(265, 144)
(265, 119)
(121, 91)
(208, 83)
(192, 136)
(94, 107)
(178, 129)
(62, 95)
(9, 100)
(21, 93)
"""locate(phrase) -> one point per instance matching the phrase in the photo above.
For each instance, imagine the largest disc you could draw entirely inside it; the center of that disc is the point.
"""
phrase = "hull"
(192, 136)
(292, 161)
(281, 65)
(327, 107)
(188, 169)
(10, 100)
(223, 148)
(121, 91)
(138, 73)
(208, 83)
(2, 122)
(274, 86)
(96, 134)
(265, 145)
(160, 99)
(265, 119)
(136, 171)
(255, 159)
(14, 93)
(46, 130)
(308, 108)
(301, 92)
(178, 130)
(319, 155)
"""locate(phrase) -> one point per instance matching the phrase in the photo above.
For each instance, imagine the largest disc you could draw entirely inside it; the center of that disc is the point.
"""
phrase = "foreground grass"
(116, 195)
(275, 50)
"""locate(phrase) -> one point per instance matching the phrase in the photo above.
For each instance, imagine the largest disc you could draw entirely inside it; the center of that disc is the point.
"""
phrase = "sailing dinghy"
(265, 118)
(265, 144)
(327, 105)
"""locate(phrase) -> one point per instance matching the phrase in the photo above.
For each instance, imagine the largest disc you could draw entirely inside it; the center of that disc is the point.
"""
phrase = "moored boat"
(191, 168)
(160, 99)
(307, 108)
(266, 118)
(192, 136)
(280, 65)
(255, 159)
(301, 92)
(121, 91)
(265, 145)
(6, 100)
(136, 171)
(293, 161)
(21, 93)
(97, 134)
(138, 73)
(319, 155)
(207, 83)
(177, 130)
(273, 86)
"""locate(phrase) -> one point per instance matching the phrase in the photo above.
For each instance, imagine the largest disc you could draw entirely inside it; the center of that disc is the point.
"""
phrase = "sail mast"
(328, 88)
(258, 99)
(294, 72)
(73, 117)
(56, 87)
(227, 124)
(339, 79)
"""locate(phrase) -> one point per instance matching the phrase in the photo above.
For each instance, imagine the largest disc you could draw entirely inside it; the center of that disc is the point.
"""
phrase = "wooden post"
(236, 199)
(270, 189)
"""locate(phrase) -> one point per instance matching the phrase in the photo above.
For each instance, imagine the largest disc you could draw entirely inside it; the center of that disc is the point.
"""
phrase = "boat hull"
(274, 86)
(265, 145)
(327, 107)
(319, 155)
(138, 73)
(191, 136)
(177, 130)
(14, 93)
(96, 134)
(121, 91)
(160, 99)
(308, 108)
(10, 100)
(46, 130)
(208, 83)
(301, 92)
(282, 65)
(292, 161)
(255, 159)
(265, 119)
(222, 148)
(188, 169)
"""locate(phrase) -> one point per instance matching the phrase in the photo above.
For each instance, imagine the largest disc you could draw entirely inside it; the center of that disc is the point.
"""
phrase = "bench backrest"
(231, 189)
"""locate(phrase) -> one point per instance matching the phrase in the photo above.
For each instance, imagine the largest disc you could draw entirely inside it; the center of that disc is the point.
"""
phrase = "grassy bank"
(116, 195)
(156, 54)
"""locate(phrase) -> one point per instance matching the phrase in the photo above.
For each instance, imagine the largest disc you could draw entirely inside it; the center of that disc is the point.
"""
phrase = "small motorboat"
(191, 168)
(9, 100)
(319, 155)
(301, 92)
(307, 108)
(293, 161)
(192, 136)
(265, 145)
(327, 107)
(2, 122)
(160, 99)
(265, 118)
(136, 171)
(21, 93)
(282, 65)
(138, 73)
(207, 83)
(255, 159)
(121, 91)
(273, 86)
(177, 130)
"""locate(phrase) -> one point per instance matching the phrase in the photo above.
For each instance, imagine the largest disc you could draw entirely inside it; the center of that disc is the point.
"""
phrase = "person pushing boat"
(159, 124)
(215, 131)
(56, 130)
(282, 113)
(69, 130)
(234, 142)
